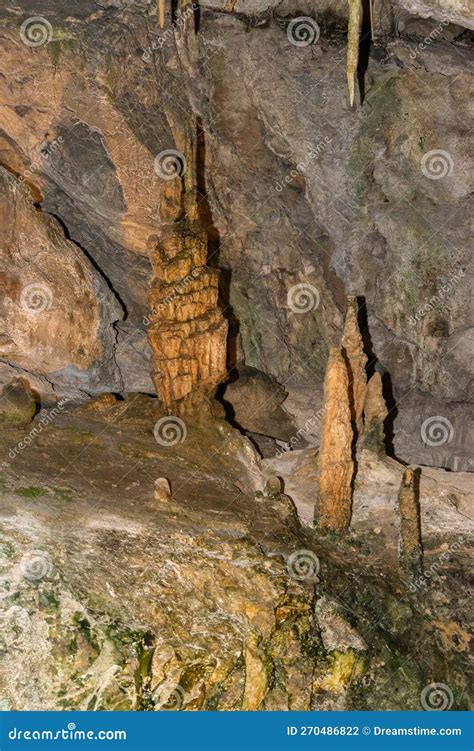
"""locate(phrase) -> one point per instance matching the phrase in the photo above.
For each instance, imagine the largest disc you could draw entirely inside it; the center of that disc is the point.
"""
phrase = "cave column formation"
(187, 331)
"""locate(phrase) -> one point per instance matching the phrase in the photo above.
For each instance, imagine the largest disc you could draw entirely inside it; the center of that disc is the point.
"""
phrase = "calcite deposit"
(187, 333)
(335, 459)
(353, 348)
(411, 551)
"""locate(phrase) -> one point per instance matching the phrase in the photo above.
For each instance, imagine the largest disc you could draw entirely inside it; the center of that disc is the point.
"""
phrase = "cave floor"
(218, 598)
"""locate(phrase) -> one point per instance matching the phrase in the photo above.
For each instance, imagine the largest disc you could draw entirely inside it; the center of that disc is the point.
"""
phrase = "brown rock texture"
(410, 550)
(188, 332)
(353, 348)
(326, 198)
(335, 462)
(56, 315)
(375, 414)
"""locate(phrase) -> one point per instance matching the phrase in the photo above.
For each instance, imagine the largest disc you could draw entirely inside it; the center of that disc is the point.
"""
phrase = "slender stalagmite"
(357, 360)
(335, 463)
(375, 414)
(353, 39)
(410, 548)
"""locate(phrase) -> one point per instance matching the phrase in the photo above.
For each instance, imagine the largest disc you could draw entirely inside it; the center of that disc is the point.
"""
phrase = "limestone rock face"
(347, 202)
(335, 463)
(56, 313)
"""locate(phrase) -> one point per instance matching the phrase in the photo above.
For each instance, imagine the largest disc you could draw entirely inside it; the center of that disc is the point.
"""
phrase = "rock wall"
(304, 200)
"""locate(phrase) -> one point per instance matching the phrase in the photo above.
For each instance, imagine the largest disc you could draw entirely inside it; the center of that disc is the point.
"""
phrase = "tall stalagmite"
(357, 360)
(335, 462)
(187, 332)
(410, 548)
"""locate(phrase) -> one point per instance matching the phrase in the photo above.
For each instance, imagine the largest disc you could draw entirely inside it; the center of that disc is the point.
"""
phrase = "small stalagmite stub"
(162, 490)
(410, 547)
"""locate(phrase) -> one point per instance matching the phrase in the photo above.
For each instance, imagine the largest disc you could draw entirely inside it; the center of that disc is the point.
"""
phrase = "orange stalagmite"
(410, 549)
(357, 360)
(335, 462)
(187, 332)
